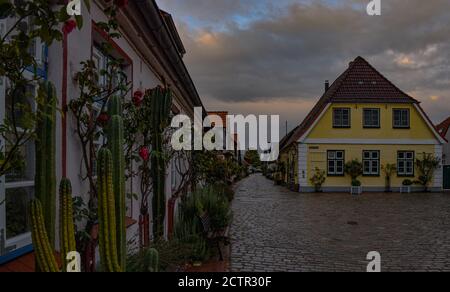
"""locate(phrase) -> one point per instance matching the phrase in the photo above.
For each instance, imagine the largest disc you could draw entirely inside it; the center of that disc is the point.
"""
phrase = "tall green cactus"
(66, 225)
(115, 145)
(45, 156)
(45, 258)
(107, 213)
(161, 100)
(151, 260)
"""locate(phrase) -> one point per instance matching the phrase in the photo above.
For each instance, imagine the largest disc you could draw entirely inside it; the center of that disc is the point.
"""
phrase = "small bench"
(215, 237)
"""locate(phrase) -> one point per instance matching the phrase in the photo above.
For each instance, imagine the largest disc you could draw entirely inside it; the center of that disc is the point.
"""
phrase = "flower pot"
(405, 190)
(356, 190)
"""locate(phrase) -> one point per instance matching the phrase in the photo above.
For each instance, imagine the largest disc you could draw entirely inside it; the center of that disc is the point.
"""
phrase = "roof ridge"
(385, 78)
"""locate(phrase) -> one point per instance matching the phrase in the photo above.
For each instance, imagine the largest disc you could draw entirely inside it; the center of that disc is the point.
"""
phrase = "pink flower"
(103, 119)
(144, 153)
(121, 3)
(69, 26)
(137, 98)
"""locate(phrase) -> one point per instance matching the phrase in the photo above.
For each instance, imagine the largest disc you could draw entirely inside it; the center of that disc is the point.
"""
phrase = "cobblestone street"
(278, 230)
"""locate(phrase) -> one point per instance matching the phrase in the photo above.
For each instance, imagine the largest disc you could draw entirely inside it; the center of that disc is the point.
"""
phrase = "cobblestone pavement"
(276, 230)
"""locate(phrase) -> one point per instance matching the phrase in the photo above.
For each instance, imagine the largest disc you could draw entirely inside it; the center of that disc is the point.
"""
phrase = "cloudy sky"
(272, 57)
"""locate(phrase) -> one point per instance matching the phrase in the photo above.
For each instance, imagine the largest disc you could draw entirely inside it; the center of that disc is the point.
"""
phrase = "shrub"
(408, 183)
(356, 183)
(318, 179)
(354, 169)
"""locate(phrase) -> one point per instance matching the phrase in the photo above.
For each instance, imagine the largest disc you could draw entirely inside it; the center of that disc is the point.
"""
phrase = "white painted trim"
(303, 165)
(373, 141)
(438, 180)
(432, 128)
(302, 138)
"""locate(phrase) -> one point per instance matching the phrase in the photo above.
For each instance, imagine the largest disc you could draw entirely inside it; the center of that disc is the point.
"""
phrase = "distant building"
(363, 116)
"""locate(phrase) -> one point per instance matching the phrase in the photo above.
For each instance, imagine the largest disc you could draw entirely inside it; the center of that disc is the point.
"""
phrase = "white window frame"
(372, 161)
(402, 112)
(371, 111)
(333, 161)
(407, 158)
(341, 111)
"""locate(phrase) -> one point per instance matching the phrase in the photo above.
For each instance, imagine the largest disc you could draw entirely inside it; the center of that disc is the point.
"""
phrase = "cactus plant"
(115, 145)
(152, 260)
(45, 156)
(66, 226)
(45, 257)
(161, 100)
(107, 213)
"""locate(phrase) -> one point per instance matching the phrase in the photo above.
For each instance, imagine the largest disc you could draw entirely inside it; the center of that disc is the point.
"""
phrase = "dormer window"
(341, 118)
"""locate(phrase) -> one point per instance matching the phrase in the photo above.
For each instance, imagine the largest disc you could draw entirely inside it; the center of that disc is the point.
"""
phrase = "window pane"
(331, 155)
(25, 170)
(17, 211)
(339, 155)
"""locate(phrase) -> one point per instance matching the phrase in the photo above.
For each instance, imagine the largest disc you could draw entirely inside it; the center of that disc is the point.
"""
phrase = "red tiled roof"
(360, 83)
(443, 127)
(222, 115)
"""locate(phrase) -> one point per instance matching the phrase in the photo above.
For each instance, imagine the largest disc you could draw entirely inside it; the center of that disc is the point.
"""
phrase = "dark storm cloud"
(274, 53)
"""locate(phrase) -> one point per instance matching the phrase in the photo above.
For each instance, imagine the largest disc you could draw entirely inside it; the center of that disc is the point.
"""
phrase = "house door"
(16, 191)
(447, 177)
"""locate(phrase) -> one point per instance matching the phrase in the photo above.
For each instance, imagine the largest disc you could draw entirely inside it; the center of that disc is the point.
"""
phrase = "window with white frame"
(336, 163)
(371, 163)
(401, 118)
(405, 163)
(341, 118)
(18, 184)
(371, 118)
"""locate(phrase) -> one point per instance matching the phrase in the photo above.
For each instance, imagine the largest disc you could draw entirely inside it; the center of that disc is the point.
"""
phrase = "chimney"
(327, 85)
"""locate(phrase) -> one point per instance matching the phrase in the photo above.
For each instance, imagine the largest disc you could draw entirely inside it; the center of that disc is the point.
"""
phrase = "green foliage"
(45, 147)
(389, 170)
(45, 258)
(66, 225)
(318, 179)
(29, 21)
(252, 157)
(354, 169)
(115, 145)
(407, 183)
(356, 183)
(107, 214)
(161, 105)
(426, 168)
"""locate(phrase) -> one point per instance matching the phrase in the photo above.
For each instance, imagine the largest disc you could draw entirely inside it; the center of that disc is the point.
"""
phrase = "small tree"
(426, 168)
(389, 170)
(318, 179)
(354, 169)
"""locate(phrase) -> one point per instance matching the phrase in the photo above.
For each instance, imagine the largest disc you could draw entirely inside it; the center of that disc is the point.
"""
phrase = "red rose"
(69, 26)
(121, 3)
(137, 98)
(103, 119)
(144, 153)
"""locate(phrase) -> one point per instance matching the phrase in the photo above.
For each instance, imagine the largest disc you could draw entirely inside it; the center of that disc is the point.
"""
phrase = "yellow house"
(362, 116)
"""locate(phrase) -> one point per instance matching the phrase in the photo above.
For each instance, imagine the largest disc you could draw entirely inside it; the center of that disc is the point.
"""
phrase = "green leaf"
(79, 20)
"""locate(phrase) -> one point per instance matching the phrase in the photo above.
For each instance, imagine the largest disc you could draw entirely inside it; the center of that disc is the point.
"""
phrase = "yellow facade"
(323, 137)
(418, 130)
(317, 157)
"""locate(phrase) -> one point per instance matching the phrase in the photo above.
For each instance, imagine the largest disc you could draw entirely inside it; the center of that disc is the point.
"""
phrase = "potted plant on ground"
(318, 180)
(389, 170)
(426, 168)
(356, 187)
(406, 186)
(354, 169)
